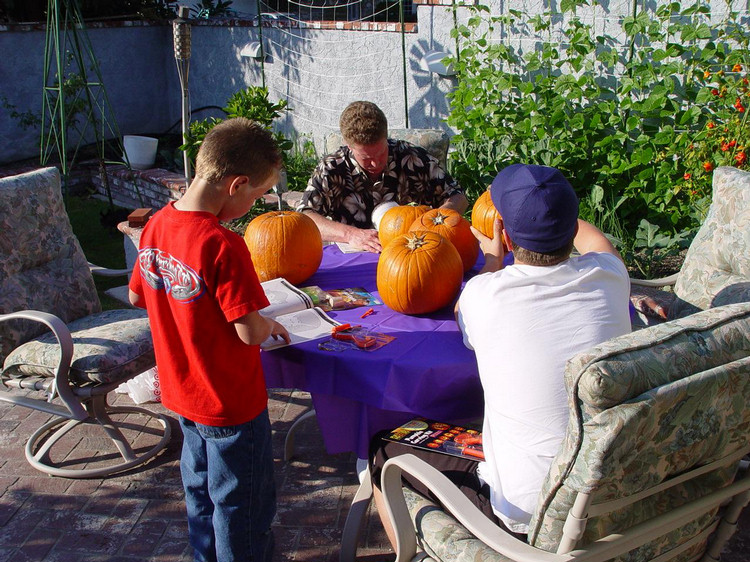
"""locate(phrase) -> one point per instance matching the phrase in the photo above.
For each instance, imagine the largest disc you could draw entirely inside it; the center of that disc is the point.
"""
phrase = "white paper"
(303, 325)
(348, 248)
(284, 298)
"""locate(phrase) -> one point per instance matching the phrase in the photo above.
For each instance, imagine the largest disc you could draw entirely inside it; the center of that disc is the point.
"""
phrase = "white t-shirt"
(524, 322)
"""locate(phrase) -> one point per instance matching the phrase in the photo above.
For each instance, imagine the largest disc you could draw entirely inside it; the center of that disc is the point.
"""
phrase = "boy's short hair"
(543, 259)
(538, 206)
(363, 123)
(237, 146)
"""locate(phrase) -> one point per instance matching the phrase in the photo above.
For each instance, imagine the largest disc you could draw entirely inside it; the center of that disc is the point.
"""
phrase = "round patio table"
(425, 371)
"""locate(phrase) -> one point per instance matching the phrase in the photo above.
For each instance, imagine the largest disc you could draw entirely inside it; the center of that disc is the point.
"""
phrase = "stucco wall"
(303, 66)
(137, 68)
(318, 71)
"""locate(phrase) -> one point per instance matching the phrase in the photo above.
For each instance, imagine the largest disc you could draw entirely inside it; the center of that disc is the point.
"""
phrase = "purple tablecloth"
(425, 371)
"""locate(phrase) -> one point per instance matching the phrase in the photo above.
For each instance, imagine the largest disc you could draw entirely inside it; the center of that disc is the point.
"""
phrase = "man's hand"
(365, 239)
(492, 248)
(331, 231)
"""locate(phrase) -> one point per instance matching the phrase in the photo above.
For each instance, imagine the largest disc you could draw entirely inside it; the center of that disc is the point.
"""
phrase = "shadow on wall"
(431, 106)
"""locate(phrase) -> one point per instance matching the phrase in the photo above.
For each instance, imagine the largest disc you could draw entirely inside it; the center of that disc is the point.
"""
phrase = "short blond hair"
(240, 147)
(363, 123)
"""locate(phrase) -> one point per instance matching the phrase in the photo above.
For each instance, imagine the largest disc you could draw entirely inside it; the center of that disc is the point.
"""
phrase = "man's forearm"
(330, 231)
(590, 239)
(457, 202)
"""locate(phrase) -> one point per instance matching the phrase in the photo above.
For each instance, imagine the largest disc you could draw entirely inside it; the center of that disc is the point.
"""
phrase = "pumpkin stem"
(439, 218)
(415, 241)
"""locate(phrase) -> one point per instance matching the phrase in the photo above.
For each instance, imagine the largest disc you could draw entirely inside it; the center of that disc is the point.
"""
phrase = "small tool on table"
(343, 333)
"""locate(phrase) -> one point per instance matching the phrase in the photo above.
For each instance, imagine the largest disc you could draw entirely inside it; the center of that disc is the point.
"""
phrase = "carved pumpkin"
(284, 244)
(419, 272)
(456, 229)
(483, 214)
(397, 220)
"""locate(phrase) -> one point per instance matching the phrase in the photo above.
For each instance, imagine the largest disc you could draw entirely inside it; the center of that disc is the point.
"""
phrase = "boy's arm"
(135, 299)
(591, 239)
(254, 329)
(492, 248)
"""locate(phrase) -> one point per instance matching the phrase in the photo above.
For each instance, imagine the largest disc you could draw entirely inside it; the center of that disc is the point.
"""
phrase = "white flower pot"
(140, 151)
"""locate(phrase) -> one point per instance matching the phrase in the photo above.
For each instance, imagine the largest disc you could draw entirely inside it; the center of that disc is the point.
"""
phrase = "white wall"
(318, 71)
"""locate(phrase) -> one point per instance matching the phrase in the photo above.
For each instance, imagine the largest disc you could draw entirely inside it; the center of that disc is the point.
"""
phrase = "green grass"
(103, 245)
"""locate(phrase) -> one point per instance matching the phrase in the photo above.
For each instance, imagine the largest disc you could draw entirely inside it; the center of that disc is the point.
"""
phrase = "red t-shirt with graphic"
(196, 278)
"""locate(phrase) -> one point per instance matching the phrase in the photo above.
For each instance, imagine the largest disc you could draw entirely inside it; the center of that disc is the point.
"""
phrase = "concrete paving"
(139, 515)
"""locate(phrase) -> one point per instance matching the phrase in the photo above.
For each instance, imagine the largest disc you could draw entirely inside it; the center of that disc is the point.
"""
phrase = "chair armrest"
(660, 282)
(107, 272)
(456, 503)
(62, 382)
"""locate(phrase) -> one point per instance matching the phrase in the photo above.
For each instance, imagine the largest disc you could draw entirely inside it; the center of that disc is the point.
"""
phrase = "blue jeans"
(227, 473)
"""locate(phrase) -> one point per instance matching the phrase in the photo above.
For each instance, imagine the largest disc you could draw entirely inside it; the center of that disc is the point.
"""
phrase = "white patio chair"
(716, 269)
(60, 354)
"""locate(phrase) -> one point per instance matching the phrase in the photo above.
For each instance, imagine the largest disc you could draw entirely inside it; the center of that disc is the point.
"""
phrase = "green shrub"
(252, 103)
(638, 130)
(300, 163)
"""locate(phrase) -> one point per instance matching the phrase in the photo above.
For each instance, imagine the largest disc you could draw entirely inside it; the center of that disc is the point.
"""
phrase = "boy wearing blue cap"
(524, 322)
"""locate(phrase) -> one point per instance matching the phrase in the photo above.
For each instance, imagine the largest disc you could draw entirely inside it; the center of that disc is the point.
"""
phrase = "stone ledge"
(443, 3)
(157, 187)
(409, 27)
(140, 188)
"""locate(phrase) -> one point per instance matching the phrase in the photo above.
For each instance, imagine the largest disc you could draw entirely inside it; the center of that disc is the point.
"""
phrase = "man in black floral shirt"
(369, 170)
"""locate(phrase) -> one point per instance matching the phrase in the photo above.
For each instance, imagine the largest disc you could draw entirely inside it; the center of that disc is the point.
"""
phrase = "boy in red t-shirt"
(197, 281)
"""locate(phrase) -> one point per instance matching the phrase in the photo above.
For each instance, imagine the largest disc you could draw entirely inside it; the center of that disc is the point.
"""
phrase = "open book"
(294, 310)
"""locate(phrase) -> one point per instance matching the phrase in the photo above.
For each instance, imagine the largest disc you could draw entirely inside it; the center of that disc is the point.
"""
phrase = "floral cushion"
(434, 141)
(108, 347)
(716, 270)
(644, 407)
(442, 537)
(626, 367)
(42, 266)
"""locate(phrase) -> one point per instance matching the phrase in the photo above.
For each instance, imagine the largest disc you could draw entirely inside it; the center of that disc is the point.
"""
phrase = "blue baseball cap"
(538, 206)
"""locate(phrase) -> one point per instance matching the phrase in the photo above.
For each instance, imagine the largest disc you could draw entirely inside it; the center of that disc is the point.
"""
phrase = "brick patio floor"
(139, 515)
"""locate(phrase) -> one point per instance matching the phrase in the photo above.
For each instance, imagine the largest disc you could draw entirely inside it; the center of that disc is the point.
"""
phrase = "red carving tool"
(343, 328)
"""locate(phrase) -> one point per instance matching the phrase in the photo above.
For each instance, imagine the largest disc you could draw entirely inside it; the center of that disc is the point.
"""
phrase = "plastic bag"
(142, 388)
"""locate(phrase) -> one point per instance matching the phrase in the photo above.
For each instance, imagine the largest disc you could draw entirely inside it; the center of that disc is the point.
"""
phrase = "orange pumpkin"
(396, 221)
(456, 229)
(483, 214)
(419, 272)
(284, 244)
